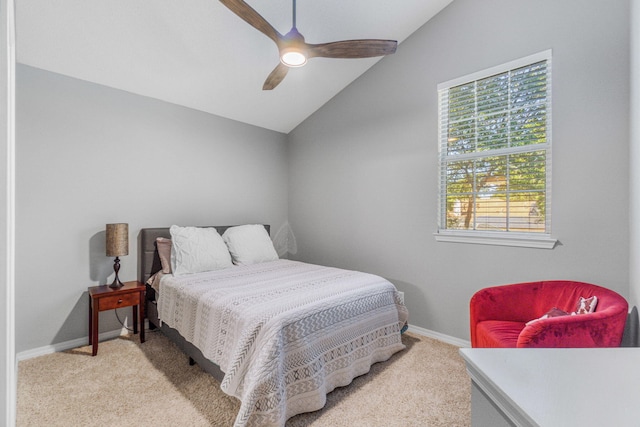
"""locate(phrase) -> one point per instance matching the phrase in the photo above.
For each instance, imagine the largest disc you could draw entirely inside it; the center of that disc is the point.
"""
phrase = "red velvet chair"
(499, 315)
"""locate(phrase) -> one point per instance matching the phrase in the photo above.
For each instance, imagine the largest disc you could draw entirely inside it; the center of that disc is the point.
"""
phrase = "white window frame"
(501, 238)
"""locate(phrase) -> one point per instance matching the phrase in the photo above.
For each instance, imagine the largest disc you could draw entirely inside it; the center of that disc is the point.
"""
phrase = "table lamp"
(117, 246)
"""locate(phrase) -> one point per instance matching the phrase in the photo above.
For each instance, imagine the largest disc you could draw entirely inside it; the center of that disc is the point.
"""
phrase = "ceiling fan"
(294, 51)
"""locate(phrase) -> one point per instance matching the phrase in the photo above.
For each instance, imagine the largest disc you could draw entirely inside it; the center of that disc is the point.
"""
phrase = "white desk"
(554, 387)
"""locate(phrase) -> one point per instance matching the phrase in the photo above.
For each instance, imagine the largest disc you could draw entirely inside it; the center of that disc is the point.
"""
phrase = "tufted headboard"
(148, 259)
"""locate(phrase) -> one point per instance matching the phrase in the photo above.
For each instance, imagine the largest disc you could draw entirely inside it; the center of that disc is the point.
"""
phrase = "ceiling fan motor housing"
(292, 49)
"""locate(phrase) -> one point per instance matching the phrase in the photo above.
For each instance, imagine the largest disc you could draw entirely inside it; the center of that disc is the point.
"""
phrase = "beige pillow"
(164, 252)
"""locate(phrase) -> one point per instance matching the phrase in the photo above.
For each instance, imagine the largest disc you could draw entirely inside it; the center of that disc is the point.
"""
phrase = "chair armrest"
(599, 329)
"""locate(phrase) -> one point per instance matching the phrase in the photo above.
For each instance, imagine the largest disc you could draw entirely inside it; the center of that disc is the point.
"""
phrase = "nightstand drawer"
(116, 301)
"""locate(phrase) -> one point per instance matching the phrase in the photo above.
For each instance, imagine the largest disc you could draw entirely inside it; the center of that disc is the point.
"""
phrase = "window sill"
(543, 241)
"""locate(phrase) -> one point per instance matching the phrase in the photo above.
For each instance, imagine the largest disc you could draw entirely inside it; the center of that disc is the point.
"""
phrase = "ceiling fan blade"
(276, 76)
(253, 18)
(352, 49)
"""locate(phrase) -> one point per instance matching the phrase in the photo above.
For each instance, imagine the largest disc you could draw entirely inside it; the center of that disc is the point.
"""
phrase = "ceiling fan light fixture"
(294, 51)
(293, 57)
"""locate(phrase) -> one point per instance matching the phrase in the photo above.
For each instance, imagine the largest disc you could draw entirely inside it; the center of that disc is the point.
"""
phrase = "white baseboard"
(79, 342)
(440, 337)
(67, 345)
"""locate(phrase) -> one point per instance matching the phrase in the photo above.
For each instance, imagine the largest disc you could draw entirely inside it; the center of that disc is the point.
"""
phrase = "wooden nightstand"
(105, 298)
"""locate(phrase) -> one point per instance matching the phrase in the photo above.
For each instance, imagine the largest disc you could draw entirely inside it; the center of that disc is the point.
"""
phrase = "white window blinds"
(495, 151)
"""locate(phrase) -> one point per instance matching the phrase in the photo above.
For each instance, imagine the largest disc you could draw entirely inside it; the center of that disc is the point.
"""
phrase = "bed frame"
(148, 265)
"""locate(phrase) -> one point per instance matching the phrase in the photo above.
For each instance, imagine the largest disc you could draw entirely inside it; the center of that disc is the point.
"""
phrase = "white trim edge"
(506, 239)
(11, 368)
(440, 337)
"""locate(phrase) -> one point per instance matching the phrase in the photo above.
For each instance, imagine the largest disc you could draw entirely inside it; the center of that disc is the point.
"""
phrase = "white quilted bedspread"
(285, 333)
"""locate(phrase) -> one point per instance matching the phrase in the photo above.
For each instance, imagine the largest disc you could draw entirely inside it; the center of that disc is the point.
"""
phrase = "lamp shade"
(117, 239)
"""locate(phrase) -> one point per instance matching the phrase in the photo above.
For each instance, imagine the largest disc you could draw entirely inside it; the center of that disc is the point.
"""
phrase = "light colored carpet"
(152, 384)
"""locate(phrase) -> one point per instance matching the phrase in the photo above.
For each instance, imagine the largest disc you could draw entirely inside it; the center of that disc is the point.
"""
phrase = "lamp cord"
(121, 322)
(131, 330)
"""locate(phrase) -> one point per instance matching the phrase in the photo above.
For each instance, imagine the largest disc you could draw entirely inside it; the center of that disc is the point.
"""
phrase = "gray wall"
(363, 169)
(89, 155)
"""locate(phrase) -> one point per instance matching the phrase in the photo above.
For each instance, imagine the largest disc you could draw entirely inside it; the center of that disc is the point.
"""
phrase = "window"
(495, 155)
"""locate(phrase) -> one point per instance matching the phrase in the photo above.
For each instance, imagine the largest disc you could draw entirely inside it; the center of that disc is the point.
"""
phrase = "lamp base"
(116, 282)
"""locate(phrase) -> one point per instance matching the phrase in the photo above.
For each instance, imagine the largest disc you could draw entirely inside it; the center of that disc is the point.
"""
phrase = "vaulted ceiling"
(199, 54)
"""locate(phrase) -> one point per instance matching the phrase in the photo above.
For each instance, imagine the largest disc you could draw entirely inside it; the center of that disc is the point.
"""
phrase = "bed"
(278, 335)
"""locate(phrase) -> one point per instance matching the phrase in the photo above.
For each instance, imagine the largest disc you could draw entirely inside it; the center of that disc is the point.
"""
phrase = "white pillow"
(196, 249)
(249, 244)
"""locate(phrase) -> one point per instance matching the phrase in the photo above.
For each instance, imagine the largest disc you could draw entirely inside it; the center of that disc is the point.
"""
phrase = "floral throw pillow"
(586, 305)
